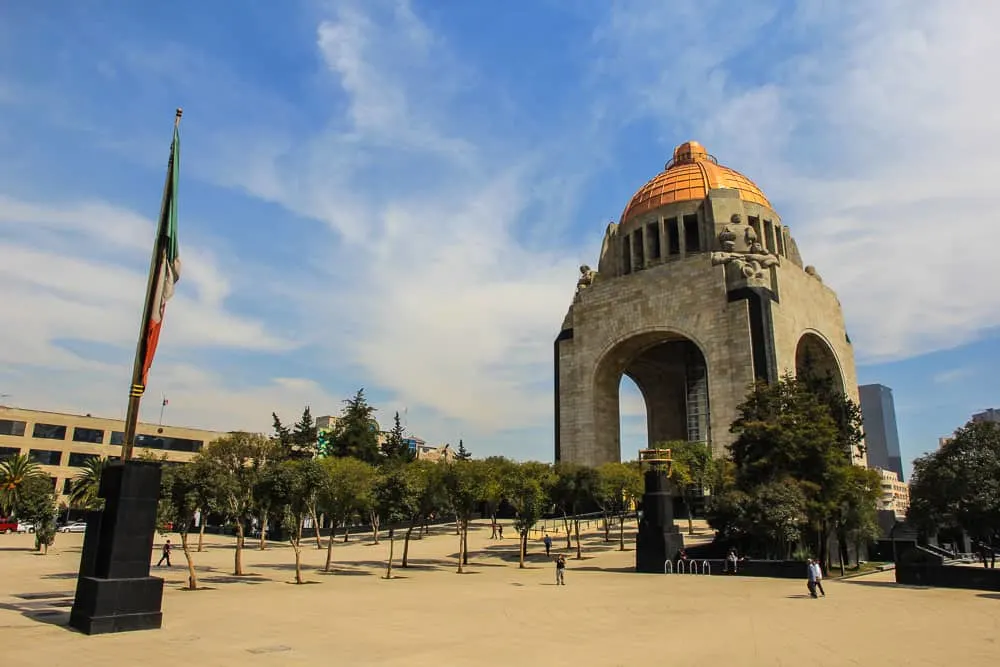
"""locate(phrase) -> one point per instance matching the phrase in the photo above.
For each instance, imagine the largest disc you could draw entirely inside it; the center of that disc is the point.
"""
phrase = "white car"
(25, 527)
(75, 527)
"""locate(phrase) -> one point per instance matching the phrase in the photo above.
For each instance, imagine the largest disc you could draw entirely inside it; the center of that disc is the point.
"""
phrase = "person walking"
(547, 541)
(500, 531)
(165, 554)
(560, 570)
(817, 578)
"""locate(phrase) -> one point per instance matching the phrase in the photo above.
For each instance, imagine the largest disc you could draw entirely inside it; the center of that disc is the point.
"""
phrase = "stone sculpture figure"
(587, 276)
(727, 239)
(750, 264)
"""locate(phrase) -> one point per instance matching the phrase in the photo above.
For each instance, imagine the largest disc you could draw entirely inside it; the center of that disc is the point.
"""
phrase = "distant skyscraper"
(988, 415)
(881, 436)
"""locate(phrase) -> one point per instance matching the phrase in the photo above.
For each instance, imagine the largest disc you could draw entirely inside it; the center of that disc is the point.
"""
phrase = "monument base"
(117, 605)
(114, 592)
(654, 547)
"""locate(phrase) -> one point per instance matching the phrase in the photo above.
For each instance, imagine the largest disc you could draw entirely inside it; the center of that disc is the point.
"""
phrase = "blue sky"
(396, 194)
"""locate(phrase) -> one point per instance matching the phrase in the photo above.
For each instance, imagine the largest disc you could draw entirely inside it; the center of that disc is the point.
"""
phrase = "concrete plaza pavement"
(497, 614)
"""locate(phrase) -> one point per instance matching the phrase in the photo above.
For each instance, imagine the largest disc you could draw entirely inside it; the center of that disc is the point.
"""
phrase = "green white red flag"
(167, 269)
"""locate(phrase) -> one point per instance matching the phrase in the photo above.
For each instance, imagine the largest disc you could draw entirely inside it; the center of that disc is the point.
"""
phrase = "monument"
(700, 290)
(658, 540)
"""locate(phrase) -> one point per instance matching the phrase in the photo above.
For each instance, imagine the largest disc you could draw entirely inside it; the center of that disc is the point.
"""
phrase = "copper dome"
(689, 176)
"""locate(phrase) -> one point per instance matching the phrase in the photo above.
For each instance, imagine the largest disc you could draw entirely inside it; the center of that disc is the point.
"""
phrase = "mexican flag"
(166, 269)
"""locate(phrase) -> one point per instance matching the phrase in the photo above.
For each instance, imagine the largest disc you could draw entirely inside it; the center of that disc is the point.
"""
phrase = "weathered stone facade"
(700, 290)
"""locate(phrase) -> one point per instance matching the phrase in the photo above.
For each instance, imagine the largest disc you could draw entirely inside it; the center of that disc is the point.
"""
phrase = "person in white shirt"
(817, 577)
(811, 574)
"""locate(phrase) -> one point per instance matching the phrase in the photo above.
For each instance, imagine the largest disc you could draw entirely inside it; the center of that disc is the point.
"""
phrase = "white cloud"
(877, 142)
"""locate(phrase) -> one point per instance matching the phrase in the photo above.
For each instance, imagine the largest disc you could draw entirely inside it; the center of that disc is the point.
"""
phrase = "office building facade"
(881, 434)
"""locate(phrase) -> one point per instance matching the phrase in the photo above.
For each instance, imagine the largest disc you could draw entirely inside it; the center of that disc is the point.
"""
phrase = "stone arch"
(671, 372)
(815, 356)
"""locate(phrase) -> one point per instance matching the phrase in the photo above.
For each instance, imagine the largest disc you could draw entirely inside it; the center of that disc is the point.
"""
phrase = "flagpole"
(163, 405)
(137, 388)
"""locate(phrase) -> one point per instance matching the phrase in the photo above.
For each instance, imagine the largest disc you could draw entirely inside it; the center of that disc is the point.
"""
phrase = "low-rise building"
(61, 443)
(895, 493)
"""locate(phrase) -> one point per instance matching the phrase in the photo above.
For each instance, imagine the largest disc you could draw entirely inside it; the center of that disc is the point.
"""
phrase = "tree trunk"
(493, 525)
(238, 564)
(841, 548)
(607, 527)
(192, 576)
(329, 545)
(461, 547)
(423, 528)
(315, 520)
(263, 531)
(569, 537)
(201, 533)
(524, 547)
(406, 542)
(687, 506)
(621, 533)
(576, 529)
(375, 524)
(458, 525)
(347, 530)
(297, 546)
(465, 541)
(392, 542)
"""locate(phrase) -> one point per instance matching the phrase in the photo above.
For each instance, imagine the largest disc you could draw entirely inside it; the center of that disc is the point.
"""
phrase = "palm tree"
(83, 492)
(13, 473)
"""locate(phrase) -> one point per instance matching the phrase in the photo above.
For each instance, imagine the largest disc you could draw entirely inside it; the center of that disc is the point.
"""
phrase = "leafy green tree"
(84, 487)
(356, 433)
(462, 454)
(36, 504)
(958, 486)
(464, 482)
(283, 437)
(526, 489)
(691, 471)
(293, 487)
(230, 465)
(305, 436)
(619, 487)
(425, 480)
(857, 520)
(395, 449)
(497, 470)
(575, 486)
(348, 484)
(180, 499)
(394, 502)
(14, 473)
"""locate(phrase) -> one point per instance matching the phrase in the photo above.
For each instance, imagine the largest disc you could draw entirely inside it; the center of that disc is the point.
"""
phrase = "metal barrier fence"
(687, 567)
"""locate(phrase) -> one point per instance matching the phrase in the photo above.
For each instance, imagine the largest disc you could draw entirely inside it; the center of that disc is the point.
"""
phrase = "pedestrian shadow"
(800, 596)
(989, 596)
(594, 568)
(884, 584)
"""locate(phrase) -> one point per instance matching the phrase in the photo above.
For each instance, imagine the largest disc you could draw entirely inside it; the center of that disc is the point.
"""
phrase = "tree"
(293, 487)
(231, 466)
(393, 502)
(462, 454)
(526, 489)
(425, 480)
(83, 490)
(497, 471)
(14, 473)
(180, 499)
(619, 487)
(857, 520)
(282, 436)
(347, 486)
(464, 482)
(36, 503)
(304, 436)
(691, 471)
(356, 433)
(574, 487)
(958, 486)
(395, 448)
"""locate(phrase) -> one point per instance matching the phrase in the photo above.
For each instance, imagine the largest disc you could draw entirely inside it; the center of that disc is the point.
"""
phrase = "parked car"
(75, 527)
(8, 526)
(25, 527)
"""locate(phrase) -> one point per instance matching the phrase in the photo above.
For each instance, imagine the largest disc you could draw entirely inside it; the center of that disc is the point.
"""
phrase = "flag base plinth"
(658, 540)
(114, 592)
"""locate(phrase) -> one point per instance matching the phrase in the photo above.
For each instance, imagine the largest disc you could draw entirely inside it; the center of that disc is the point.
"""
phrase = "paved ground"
(495, 615)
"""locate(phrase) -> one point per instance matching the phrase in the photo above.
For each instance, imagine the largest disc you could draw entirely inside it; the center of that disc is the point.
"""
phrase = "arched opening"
(814, 359)
(670, 373)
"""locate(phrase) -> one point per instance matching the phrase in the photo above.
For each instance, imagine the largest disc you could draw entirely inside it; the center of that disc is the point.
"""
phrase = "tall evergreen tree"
(462, 454)
(282, 436)
(356, 432)
(304, 436)
(394, 448)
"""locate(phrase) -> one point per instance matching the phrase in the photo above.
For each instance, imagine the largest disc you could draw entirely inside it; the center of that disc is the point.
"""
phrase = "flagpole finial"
(177, 118)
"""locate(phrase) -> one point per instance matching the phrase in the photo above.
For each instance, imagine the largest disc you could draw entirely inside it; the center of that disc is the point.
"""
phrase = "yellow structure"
(895, 494)
(62, 443)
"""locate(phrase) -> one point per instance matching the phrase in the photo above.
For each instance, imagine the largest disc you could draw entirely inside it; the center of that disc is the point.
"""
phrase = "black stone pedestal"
(114, 592)
(659, 539)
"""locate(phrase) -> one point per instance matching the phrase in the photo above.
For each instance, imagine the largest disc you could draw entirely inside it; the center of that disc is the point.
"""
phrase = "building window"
(92, 435)
(67, 486)
(49, 431)
(53, 481)
(45, 457)
(11, 427)
(8, 453)
(673, 237)
(626, 254)
(692, 237)
(653, 234)
(638, 261)
(117, 438)
(769, 237)
(168, 444)
(78, 460)
(779, 234)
